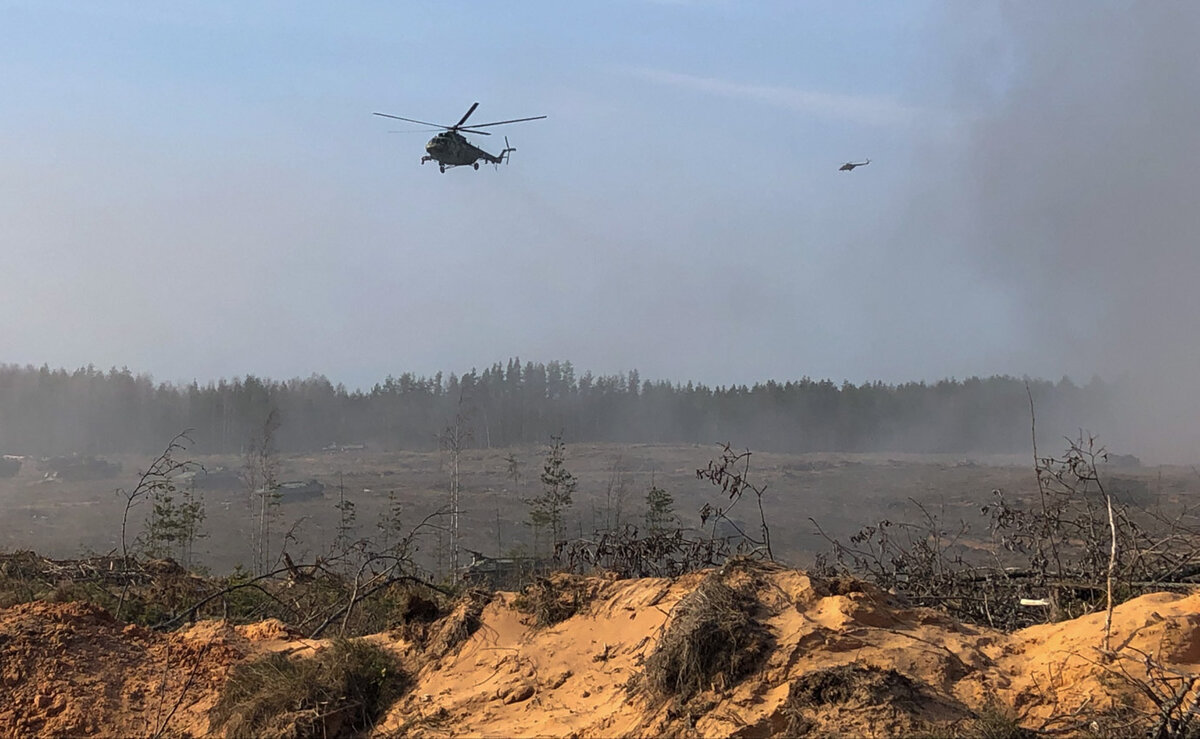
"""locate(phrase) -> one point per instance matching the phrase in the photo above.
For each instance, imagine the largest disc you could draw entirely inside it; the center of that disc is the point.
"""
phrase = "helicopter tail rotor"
(504, 155)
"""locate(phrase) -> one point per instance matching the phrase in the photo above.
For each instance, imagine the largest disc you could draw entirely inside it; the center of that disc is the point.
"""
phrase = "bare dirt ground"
(844, 659)
(842, 492)
(70, 669)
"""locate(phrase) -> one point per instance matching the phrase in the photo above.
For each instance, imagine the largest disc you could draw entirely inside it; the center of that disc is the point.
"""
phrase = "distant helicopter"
(849, 166)
(451, 149)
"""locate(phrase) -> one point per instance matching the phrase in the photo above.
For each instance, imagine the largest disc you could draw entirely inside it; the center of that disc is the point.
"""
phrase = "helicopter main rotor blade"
(414, 120)
(472, 130)
(501, 123)
(466, 116)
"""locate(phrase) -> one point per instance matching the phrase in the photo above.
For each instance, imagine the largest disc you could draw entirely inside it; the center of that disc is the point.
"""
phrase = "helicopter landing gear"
(475, 165)
(442, 167)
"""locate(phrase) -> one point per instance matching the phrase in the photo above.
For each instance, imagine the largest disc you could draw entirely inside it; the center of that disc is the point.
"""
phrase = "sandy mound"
(1061, 668)
(845, 658)
(512, 679)
(70, 669)
(830, 657)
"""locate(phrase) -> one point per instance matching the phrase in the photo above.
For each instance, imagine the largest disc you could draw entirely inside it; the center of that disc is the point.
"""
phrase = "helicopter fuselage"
(451, 149)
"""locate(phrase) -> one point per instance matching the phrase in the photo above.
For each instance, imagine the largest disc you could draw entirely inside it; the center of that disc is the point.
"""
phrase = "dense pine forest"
(46, 411)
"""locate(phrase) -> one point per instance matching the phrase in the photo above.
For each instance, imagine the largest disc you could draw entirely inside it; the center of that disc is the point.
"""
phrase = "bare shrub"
(314, 597)
(1165, 702)
(714, 639)
(1074, 548)
(338, 692)
(146, 589)
(664, 550)
(731, 473)
(155, 483)
(626, 552)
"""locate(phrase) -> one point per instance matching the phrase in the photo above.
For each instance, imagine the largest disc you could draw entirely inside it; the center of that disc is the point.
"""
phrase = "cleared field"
(842, 492)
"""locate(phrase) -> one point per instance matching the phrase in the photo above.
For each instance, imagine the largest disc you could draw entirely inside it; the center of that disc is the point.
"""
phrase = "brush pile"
(714, 639)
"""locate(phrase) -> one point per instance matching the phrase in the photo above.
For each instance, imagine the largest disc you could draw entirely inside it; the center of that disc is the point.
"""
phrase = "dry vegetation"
(726, 641)
(339, 692)
(461, 620)
(555, 598)
(76, 519)
(714, 639)
(751, 649)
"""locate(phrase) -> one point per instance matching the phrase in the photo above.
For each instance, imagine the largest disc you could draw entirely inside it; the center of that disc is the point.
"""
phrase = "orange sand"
(71, 670)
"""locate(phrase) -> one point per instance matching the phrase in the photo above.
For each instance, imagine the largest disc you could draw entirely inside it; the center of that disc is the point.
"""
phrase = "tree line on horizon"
(46, 411)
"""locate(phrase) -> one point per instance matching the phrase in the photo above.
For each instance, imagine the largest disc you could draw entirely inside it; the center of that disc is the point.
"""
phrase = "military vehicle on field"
(76, 467)
(297, 490)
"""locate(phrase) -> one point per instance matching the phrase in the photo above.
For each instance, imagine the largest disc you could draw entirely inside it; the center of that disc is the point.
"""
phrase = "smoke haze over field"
(1080, 179)
(200, 191)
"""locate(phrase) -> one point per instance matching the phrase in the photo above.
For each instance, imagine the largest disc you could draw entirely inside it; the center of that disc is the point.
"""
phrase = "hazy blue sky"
(199, 189)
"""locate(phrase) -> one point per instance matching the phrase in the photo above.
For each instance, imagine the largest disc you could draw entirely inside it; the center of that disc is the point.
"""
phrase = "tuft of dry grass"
(339, 692)
(855, 684)
(991, 722)
(456, 627)
(714, 639)
(909, 706)
(416, 608)
(852, 684)
(554, 599)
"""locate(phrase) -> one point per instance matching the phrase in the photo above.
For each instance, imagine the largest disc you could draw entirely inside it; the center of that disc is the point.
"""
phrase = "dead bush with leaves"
(731, 473)
(627, 553)
(714, 638)
(339, 692)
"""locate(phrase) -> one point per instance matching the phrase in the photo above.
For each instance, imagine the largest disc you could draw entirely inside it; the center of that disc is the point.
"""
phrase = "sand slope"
(71, 670)
(511, 679)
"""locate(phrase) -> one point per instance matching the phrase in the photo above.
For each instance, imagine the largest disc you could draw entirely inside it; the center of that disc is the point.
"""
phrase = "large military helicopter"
(451, 149)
